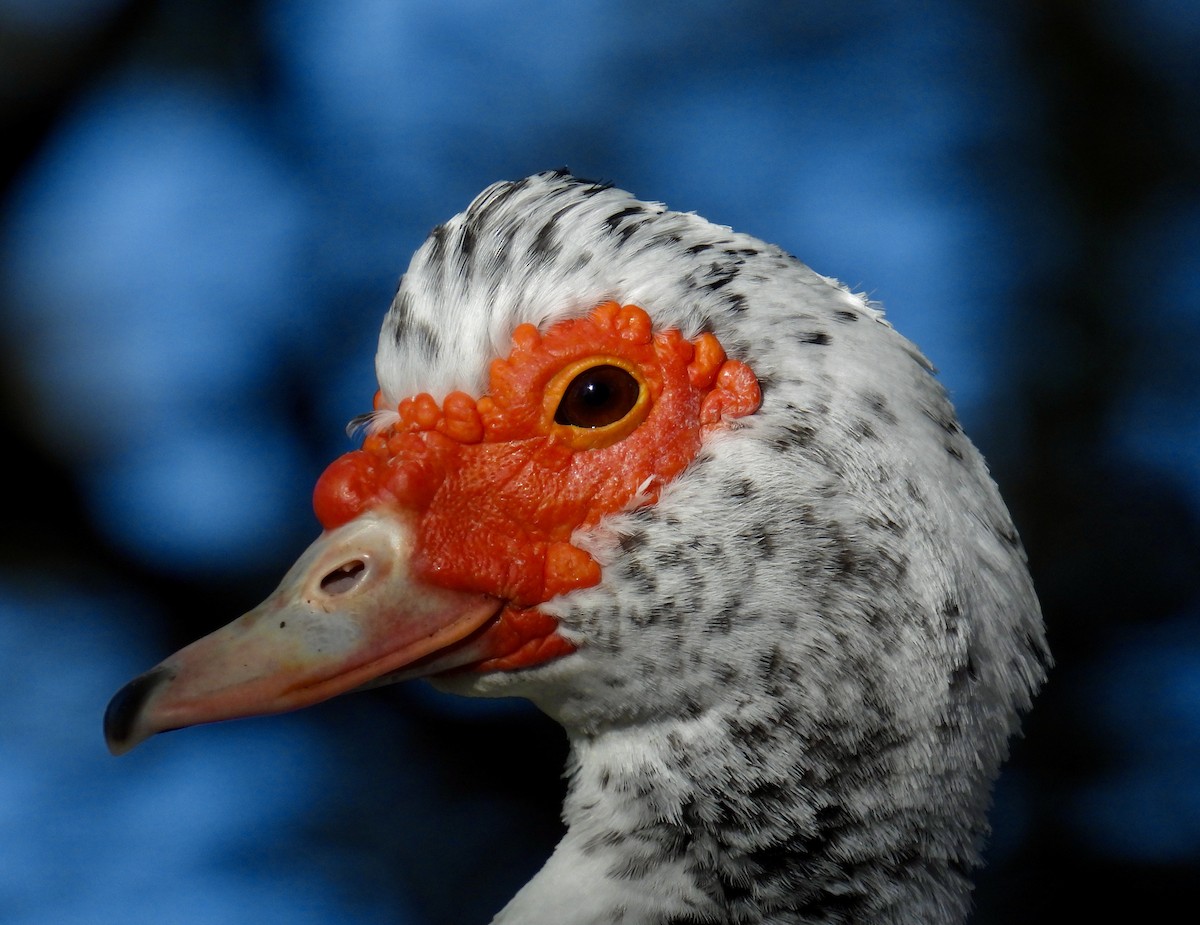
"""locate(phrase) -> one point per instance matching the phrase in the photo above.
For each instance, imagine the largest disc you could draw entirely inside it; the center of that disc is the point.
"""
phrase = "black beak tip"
(124, 710)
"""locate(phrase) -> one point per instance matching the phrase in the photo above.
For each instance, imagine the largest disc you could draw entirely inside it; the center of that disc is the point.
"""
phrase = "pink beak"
(347, 614)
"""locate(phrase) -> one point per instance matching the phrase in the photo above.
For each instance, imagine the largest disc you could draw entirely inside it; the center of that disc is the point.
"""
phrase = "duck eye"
(598, 396)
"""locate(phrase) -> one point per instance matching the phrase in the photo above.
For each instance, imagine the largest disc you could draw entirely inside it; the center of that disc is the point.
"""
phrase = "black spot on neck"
(878, 404)
(963, 676)
(944, 418)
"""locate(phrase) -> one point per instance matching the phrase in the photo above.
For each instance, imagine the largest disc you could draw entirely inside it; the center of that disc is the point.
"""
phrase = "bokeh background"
(206, 208)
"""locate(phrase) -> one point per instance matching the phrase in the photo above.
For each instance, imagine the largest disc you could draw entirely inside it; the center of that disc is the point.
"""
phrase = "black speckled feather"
(798, 677)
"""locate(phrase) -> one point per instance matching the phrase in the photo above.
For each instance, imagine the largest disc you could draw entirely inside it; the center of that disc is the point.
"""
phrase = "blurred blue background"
(206, 208)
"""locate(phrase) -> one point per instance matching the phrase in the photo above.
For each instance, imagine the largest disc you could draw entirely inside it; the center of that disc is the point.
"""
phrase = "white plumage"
(797, 676)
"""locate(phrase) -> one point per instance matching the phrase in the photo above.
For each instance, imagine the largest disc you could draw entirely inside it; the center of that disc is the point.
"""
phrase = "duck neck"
(673, 822)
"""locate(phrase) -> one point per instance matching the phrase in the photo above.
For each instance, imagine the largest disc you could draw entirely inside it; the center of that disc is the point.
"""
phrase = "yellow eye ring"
(596, 401)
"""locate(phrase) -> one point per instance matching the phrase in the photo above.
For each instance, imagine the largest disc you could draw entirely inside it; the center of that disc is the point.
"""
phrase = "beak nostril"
(344, 577)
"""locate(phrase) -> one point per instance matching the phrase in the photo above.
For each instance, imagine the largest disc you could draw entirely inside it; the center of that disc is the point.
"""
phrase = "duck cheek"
(502, 522)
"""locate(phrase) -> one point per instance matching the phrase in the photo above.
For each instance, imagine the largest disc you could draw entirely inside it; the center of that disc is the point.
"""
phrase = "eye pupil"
(598, 396)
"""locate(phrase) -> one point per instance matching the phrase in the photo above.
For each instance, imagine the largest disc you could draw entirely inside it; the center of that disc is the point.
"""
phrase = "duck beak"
(348, 613)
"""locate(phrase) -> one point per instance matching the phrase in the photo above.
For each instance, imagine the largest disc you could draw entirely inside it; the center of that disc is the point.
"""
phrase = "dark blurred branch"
(1111, 543)
(1109, 145)
(44, 73)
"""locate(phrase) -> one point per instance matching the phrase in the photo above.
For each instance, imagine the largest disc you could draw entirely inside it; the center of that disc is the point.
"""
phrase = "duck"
(708, 510)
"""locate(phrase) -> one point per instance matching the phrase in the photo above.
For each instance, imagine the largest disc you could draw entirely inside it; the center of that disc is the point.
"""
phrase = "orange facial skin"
(500, 487)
